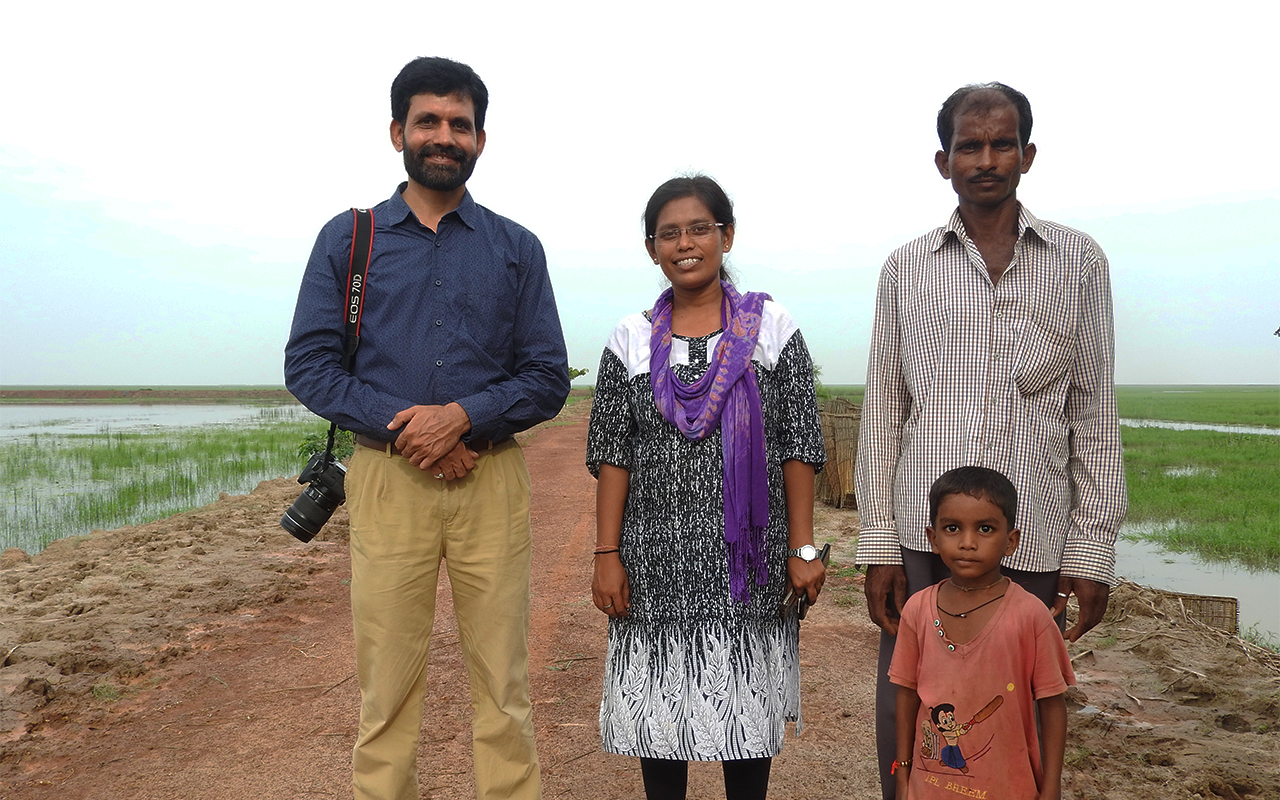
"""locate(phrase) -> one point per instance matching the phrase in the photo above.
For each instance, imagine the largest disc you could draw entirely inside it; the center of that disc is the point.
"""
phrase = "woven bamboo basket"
(1222, 613)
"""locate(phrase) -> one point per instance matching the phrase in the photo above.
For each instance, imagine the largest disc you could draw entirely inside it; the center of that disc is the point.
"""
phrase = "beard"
(439, 177)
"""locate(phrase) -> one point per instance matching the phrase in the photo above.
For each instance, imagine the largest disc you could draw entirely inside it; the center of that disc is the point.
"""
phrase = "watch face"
(808, 552)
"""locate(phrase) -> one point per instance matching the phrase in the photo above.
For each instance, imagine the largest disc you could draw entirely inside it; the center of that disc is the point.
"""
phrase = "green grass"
(1221, 491)
(58, 486)
(850, 391)
(1219, 405)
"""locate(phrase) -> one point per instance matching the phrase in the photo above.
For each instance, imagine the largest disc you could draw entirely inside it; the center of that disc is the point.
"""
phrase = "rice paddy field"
(54, 485)
(1212, 492)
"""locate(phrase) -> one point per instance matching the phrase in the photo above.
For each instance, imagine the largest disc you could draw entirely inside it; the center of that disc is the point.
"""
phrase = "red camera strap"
(357, 270)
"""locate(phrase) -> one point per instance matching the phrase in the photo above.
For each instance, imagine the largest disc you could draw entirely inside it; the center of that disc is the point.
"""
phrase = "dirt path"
(209, 656)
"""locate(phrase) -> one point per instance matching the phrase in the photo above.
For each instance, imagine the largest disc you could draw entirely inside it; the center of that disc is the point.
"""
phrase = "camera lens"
(309, 513)
(323, 495)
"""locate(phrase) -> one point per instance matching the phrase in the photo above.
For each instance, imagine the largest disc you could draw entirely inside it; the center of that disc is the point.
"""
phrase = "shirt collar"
(398, 210)
(955, 227)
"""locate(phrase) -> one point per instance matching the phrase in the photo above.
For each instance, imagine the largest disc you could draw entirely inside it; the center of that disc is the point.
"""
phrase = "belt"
(477, 445)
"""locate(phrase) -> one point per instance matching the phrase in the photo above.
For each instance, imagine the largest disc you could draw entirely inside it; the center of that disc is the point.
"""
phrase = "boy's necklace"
(952, 581)
(964, 614)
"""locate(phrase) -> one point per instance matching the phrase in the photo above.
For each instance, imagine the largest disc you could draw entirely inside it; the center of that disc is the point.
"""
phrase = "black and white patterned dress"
(692, 674)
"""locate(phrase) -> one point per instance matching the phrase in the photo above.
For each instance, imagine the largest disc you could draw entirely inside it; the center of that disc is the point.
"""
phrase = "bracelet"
(897, 765)
(605, 551)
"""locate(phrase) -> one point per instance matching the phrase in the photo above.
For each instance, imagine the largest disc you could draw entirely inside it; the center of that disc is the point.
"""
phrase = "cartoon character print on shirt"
(945, 726)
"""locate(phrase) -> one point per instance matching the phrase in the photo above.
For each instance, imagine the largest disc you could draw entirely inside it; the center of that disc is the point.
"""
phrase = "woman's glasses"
(700, 231)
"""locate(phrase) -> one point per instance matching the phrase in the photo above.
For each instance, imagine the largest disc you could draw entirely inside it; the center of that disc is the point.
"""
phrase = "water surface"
(19, 421)
(1148, 563)
(1198, 426)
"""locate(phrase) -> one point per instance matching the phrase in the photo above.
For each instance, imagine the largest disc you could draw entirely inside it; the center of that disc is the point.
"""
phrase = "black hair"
(980, 99)
(936, 711)
(696, 185)
(439, 76)
(980, 482)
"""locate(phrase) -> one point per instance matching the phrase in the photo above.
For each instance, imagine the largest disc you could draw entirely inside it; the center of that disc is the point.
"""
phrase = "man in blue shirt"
(460, 347)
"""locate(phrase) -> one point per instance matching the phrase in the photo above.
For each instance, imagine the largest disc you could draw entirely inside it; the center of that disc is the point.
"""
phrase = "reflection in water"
(1148, 563)
(18, 421)
(1198, 426)
(1187, 472)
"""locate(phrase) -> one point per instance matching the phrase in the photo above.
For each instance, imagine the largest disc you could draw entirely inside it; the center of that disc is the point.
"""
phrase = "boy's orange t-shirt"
(976, 730)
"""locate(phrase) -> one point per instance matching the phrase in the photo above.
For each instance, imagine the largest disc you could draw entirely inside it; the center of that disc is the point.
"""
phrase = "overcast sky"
(164, 168)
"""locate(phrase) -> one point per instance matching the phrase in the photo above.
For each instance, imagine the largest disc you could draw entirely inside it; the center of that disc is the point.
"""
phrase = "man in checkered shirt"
(992, 346)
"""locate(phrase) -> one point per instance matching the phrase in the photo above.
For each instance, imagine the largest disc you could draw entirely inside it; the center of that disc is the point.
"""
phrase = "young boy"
(976, 656)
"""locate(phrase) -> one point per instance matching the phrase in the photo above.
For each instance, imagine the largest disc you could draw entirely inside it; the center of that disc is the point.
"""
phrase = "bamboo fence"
(840, 419)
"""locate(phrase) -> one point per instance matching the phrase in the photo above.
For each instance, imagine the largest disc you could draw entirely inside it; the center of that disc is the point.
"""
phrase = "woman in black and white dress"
(693, 559)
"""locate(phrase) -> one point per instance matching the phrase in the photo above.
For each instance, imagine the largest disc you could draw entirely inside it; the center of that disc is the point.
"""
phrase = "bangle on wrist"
(600, 551)
(900, 764)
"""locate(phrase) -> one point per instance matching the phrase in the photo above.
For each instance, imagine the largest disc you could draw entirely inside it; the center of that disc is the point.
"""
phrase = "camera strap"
(357, 269)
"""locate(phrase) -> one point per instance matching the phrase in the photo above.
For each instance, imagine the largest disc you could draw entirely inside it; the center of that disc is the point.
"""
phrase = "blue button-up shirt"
(461, 314)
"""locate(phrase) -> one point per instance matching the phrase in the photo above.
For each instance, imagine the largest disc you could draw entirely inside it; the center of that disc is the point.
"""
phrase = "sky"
(164, 168)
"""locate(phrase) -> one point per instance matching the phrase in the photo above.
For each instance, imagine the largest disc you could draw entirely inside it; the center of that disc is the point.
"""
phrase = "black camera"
(324, 493)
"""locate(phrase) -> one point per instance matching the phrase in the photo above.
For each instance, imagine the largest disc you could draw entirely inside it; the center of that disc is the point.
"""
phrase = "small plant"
(846, 599)
(1077, 757)
(1264, 639)
(575, 372)
(343, 444)
(822, 391)
(106, 692)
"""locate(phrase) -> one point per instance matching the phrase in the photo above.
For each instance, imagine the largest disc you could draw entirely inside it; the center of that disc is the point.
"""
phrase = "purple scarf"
(726, 395)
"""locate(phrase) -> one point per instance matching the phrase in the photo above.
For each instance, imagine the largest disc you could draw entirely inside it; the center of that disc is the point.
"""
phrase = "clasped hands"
(431, 439)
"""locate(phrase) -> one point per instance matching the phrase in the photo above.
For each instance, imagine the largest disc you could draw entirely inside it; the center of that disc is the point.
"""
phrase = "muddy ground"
(209, 656)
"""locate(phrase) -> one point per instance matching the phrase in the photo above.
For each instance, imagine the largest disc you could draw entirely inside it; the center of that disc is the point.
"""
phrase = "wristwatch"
(806, 552)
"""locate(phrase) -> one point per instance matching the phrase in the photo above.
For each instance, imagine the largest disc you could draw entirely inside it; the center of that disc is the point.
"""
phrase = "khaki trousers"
(403, 521)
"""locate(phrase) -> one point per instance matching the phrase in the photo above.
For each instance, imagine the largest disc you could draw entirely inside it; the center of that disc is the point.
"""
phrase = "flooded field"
(67, 470)
(1198, 426)
(19, 422)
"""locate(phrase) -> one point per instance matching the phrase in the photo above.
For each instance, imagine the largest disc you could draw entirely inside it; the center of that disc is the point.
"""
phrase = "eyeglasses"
(700, 231)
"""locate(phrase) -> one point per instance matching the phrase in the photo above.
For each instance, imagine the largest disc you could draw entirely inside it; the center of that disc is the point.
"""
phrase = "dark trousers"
(668, 779)
(924, 570)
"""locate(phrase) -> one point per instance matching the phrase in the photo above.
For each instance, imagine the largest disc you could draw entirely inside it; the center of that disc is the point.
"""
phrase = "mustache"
(448, 151)
(987, 176)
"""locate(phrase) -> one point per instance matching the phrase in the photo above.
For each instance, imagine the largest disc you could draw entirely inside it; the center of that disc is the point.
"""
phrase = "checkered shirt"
(1017, 376)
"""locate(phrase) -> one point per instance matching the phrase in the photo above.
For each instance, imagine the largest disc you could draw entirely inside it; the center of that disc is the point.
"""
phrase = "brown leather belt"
(479, 446)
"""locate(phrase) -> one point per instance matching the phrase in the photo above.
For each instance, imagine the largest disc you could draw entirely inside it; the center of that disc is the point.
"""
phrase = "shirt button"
(439, 363)
(439, 323)
(437, 244)
(437, 283)
(951, 647)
